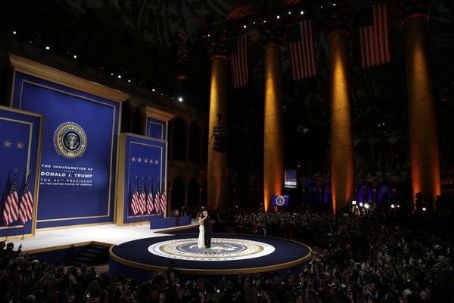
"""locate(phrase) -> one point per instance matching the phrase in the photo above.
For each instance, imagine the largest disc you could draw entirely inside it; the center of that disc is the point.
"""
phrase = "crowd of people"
(378, 258)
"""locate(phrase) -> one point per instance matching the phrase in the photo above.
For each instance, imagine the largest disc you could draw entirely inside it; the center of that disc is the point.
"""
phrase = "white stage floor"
(83, 235)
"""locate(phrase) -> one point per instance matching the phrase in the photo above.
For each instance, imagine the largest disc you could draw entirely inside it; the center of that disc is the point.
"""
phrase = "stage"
(138, 252)
(101, 234)
(229, 254)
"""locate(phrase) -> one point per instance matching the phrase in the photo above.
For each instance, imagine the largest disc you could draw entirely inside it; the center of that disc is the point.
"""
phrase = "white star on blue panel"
(133, 159)
(139, 159)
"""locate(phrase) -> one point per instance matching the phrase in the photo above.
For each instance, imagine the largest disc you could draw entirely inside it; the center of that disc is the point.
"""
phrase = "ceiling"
(160, 45)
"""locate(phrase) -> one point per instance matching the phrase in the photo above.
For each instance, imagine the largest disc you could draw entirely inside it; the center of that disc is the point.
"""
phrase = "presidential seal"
(280, 200)
(70, 140)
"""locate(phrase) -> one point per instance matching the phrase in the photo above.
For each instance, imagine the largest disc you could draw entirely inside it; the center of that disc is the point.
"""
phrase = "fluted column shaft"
(342, 173)
(425, 166)
(217, 161)
(273, 149)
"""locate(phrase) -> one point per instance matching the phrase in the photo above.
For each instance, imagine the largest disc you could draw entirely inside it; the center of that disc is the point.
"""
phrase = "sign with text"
(78, 151)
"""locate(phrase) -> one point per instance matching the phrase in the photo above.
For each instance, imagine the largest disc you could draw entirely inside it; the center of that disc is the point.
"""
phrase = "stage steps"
(90, 255)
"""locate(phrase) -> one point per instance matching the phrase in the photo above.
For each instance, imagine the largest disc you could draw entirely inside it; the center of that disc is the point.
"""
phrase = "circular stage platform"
(229, 254)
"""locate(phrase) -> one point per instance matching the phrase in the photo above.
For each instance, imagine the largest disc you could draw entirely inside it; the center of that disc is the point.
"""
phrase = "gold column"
(341, 134)
(273, 147)
(217, 161)
(425, 166)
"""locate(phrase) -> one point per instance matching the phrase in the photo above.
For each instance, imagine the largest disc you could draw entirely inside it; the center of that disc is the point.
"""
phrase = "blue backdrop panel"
(75, 188)
(19, 146)
(156, 129)
(146, 161)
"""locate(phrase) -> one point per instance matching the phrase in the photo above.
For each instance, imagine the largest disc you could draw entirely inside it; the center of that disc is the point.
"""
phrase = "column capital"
(414, 9)
(216, 45)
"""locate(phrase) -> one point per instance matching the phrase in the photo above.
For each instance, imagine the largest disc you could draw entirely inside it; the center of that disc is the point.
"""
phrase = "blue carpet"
(286, 251)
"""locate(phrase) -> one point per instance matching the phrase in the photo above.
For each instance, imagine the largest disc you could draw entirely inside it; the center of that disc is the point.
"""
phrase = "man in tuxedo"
(207, 228)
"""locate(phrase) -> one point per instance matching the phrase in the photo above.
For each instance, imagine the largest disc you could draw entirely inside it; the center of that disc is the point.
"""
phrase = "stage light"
(253, 22)
(278, 17)
(129, 80)
(180, 99)
(398, 206)
(14, 32)
(153, 89)
(75, 56)
(245, 26)
(119, 76)
(301, 12)
(289, 12)
(47, 47)
(360, 204)
(208, 35)
(334, 4)
(366, 206)
(264, 21)
(424, 209)
(30, 41)
(392, 206)
(111, 74)
(353, 202)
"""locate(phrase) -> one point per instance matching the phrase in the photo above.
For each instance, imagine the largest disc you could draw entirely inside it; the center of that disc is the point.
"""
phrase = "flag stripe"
(11, 205)
(374, 39)
(302, 54)
(239, 62)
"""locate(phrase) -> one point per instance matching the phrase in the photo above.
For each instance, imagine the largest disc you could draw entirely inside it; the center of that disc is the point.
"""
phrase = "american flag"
(373, 36)
(301, 47)
(163, 201)
(239, 62)
(143, 199)
(26, 203)
(135, 204)
(150, 207)
(10, 207)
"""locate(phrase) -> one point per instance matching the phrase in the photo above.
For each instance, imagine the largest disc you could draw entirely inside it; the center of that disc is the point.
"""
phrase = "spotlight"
(424, 209)
(301, 12)
(289, 12)
(278, 17)
(353, 202)
(119, 76)
(111, 74)
(14, 32)
(366, 206)
(360, 204)
(392, 206)
(245, 26)
(398, 206)
(264, 21)
(253, 22)
(153, 89)
(334, 4)
(30, 41)
(208, 35)
(129, 80)
(75, 56)
(47, 47)
(180, 99)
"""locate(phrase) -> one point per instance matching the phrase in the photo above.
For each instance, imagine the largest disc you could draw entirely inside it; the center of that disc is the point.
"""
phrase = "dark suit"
(207, 228)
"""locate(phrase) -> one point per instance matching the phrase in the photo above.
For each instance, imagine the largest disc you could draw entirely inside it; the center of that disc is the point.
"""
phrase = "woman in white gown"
(201, 240)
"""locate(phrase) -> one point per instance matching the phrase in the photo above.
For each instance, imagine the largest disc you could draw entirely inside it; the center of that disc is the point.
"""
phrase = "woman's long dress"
(201, 240)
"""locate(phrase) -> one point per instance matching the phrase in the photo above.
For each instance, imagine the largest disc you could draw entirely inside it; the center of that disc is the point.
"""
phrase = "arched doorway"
(193, 193)
(194, 143)
(179, 139)
(178, 190)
